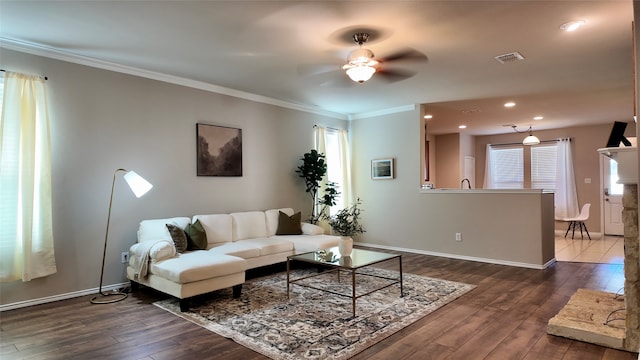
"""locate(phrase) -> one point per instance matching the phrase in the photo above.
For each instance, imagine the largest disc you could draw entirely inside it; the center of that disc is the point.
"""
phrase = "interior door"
(612, 199)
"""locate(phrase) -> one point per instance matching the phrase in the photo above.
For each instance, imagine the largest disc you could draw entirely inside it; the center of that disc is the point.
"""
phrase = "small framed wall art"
(219, 150)
(382, 169)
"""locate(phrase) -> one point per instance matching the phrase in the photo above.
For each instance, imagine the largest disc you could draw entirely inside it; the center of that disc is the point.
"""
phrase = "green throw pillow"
(179, 237)
(289, 225)
(196, 236)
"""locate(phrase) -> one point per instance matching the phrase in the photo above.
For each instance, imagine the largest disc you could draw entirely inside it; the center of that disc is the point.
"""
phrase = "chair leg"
(568, 228)
(582, 224)
(573, 231)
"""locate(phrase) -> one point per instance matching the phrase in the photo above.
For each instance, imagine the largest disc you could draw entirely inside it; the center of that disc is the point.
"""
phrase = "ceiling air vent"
(510, 57)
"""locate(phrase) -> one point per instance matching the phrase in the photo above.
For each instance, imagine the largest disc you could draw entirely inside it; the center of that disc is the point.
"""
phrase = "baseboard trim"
(594, 235)
(48, 299)
(74, 294)
(462, 257)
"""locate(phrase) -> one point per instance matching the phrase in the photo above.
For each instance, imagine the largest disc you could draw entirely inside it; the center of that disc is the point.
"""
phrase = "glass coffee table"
(359, 259)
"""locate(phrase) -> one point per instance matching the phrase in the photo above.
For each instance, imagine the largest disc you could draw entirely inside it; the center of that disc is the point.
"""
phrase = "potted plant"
(312, 171)
(346, 223)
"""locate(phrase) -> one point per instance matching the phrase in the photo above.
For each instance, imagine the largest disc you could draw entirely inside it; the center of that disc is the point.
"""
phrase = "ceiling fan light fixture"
(361, 63)
(360, 73)
(361, 56)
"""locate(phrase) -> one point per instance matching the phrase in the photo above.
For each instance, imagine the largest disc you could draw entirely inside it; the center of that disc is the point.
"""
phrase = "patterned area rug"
(314, 324)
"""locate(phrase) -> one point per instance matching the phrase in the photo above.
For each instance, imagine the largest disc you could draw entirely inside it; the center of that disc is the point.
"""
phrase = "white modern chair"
(579, 221)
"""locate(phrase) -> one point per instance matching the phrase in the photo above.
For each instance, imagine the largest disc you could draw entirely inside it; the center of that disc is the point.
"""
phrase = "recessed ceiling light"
(428, 116)
(538, 117)
(462, 127)
(509, 104)
(572, 25)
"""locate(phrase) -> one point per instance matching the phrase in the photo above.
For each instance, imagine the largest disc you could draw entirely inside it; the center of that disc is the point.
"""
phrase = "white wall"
(102, 120)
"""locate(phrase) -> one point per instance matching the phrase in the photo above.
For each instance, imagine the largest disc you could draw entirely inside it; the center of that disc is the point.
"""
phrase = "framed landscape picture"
(382, 169)
(219, 150)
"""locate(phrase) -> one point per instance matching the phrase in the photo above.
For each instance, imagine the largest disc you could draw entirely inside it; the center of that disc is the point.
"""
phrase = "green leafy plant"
(312, 170)
(347, 221)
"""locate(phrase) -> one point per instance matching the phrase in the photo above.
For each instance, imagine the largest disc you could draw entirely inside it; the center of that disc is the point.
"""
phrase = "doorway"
(612, 195)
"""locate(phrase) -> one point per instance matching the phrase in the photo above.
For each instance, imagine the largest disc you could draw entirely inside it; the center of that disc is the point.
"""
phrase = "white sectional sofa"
(234, 243)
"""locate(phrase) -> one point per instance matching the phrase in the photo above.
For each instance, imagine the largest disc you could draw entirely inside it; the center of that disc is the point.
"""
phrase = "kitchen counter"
(482, 191)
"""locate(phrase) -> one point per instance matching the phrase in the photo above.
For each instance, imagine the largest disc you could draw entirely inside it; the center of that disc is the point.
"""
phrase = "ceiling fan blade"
(339, 80)
(317, 69)
(407, 54)
(395, 75)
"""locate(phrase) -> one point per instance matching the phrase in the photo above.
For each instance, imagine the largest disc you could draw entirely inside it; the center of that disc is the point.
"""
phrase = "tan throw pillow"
(289, 225)
(196, 236)
(179, 237)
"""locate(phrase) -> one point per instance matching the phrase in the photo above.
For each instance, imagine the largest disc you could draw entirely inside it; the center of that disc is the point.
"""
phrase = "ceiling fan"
(362, 65)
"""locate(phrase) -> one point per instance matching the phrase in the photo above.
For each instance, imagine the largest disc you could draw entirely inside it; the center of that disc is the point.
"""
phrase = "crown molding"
(49, 52)
(388, 111)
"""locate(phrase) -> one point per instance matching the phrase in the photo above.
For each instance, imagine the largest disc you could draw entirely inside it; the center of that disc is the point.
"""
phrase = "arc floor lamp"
(139, 186)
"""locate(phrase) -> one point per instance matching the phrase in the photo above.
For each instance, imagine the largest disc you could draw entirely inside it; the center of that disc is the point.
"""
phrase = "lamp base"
(109, 298)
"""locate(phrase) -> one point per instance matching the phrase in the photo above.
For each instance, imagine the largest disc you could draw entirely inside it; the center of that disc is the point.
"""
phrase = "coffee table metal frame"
(360, 258)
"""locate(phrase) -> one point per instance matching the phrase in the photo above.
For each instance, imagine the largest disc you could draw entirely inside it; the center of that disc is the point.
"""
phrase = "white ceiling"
(267, 48)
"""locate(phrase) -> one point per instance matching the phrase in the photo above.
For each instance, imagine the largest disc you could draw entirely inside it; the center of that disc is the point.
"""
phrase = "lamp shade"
(531, 140)
(137, 183)
(360, 73)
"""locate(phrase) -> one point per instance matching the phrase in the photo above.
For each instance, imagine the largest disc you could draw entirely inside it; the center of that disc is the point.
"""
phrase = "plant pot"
(345, 245)
(345, 261)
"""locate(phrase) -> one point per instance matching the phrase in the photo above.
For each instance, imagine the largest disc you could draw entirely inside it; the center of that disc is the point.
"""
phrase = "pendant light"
(530, 139)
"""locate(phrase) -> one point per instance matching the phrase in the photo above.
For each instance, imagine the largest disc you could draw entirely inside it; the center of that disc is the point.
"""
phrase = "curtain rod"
(326, 127)
(541, 141)
(44, 77)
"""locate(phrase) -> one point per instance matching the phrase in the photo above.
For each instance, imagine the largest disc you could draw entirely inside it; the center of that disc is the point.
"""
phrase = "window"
(334, 165)
(334, 144)
(26, 231)
(543, 166)
(614, 187)
(509, 168)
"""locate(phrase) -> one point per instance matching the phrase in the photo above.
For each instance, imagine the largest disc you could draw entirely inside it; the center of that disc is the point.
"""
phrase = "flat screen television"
(617, 135)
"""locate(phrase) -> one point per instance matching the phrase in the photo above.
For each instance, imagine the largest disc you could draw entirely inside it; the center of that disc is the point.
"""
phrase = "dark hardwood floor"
(505, 317)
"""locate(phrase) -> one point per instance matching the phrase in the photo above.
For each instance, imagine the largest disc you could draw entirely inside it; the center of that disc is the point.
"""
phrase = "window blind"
(543, 166)
(507, 166)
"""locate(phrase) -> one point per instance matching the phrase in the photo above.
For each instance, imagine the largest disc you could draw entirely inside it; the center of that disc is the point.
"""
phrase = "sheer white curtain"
(320, 145)
(26, 235)
(489, 182)
(566, 196)
(334, 143)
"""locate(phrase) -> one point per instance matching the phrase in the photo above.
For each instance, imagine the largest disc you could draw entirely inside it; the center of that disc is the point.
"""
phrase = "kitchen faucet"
(462, 183)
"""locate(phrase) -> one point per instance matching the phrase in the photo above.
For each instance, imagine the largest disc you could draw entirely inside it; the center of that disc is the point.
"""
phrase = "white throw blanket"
(142, 253)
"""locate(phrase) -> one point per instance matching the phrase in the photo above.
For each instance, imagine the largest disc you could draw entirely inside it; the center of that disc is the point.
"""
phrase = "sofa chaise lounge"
(235, 243)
